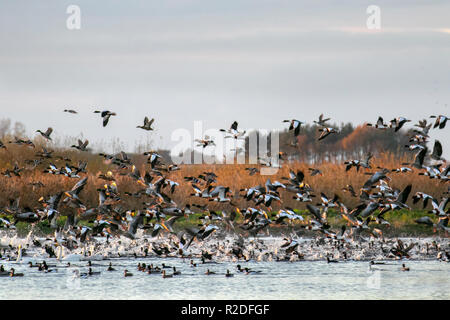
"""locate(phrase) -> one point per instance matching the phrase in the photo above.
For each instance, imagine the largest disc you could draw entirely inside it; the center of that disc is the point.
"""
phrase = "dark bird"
(46, 134)
(147, 124)
(105, 115)
(294, 125)
(82, 146)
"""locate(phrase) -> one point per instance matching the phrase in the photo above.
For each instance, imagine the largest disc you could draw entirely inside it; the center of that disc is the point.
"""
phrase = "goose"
(413, 147)
(439, 208)
(147, 124)
(205, 142)
(326, 132)
(399, 202)
(352, 163)
(208, 272)
(437, 151)
(404, 267)
(70, 111)
(379, 125)
(228, 274)
(234, 131)
(321, 122)
(46, 134)
(105, 115)
(398, 123)
(294, 125)
(377, 176)
(303, 196)
(422, 196)
(402, 170)
(418, 159)
(440, 121)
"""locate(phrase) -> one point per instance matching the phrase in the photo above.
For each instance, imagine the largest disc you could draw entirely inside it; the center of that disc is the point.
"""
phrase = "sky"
(254, 61)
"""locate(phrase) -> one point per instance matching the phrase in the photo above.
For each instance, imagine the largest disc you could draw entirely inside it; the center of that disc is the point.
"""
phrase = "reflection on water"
(278, 280)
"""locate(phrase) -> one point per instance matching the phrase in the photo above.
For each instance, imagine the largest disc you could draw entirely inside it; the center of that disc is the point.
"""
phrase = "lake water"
(277, 280)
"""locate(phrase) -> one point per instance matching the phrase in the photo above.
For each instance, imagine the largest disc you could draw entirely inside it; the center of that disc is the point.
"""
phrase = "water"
(278, 280)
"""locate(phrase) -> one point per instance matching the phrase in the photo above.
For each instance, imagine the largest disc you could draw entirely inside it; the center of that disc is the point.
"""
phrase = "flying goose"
(326, 132)
(321, 122)
(398, 123)
(379, 125)
(234, 131)
(105, 115)
(205, 142)
(437, 151)
(294, 125)
(377, 176)
(440, 121)
(425, 197)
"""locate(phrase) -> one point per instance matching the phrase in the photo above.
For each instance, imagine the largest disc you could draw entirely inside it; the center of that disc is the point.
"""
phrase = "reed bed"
(235, 176)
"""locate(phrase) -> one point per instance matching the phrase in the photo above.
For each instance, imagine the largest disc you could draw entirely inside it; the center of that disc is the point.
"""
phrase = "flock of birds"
(112, 225)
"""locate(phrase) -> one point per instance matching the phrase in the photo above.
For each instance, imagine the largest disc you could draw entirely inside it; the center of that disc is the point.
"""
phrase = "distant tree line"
(350, 143)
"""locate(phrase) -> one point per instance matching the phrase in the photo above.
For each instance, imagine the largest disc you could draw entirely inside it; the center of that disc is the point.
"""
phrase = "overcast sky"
(258, 62)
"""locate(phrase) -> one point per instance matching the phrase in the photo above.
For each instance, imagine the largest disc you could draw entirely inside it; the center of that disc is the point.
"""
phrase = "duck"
(175, 272)
(110, 268)
(164, 275)
(127, 274)
(331, 260)
(46, 134)
(70, 111)
(82, 146)
(228, 274)
(404, 267)
(147, 124)
(208, 272)
(93, 273)
(12, 273)
(321, 122)
(248, 271)
(105, 115)
(3, 273)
